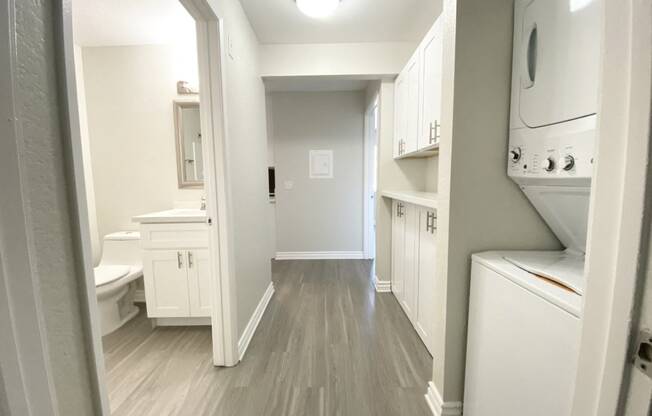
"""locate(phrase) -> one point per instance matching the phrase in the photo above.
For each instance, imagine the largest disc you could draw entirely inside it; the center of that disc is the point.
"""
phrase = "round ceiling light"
(317, 8)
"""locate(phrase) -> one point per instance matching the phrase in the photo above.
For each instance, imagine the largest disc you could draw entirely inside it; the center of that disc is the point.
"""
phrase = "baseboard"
(250, 329)
(438, 406)
(382, 286)
(139, 296)
(320, 255)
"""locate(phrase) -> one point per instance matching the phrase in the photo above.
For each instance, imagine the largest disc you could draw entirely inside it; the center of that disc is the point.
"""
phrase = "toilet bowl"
(115, 278)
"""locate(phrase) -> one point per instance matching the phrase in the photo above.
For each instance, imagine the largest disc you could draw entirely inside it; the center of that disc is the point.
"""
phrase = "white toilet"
(115, 277)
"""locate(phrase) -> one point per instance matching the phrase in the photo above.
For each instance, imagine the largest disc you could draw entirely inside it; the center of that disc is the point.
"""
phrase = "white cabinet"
(431, 87)
(398, 250)
(400, 121)
(425, 319)
(418, 99)
(176, 270)
(413, 265)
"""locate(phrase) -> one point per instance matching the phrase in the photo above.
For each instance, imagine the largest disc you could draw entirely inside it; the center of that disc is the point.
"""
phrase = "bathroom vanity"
(176, 266)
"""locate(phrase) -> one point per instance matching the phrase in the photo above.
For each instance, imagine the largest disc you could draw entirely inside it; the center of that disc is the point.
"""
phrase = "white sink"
(179, 215)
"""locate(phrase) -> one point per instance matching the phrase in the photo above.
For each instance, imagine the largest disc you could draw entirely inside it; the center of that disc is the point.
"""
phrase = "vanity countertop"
(178, 215)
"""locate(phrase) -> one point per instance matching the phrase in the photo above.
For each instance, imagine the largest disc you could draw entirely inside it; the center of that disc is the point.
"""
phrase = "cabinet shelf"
(424, 199)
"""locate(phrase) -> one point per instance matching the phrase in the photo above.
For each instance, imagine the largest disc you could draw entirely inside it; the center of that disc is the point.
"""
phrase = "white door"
(400, 124)
(410, 267)
(559, 61)
(371, 181)
(199, 275)
(426, 287)
(166, 283)
(398, 249)
(431, 90)
(412, 105)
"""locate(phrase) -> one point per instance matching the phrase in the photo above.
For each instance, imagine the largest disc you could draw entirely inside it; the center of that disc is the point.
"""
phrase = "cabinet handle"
(190, 260)
(434, 132)
(179, 260)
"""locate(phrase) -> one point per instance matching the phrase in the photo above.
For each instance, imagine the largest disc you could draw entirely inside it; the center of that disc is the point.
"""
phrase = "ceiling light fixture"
(317, 8)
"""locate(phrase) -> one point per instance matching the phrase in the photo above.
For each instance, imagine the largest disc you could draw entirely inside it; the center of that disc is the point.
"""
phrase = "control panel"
(560, 153)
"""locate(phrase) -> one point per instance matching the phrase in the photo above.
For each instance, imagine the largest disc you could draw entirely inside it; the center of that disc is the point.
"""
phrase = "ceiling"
(279, 21)
(131, 22)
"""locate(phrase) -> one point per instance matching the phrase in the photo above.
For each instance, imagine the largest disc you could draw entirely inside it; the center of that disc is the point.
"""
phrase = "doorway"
(211, 107)
(370, 178)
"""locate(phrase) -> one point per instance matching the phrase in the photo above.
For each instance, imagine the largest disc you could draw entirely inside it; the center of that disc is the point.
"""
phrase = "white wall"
(369, 60)
(319, 215)
(129, 96)
(247, 160)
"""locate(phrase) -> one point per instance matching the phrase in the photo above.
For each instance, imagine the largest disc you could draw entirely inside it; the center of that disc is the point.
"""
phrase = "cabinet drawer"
(163, 236)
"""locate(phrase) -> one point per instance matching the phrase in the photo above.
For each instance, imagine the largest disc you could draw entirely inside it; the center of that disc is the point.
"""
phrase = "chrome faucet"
(203, 203)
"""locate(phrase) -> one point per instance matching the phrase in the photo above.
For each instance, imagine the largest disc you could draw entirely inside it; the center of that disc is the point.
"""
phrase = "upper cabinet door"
(431, 87)
(413, 80)
(400, 96)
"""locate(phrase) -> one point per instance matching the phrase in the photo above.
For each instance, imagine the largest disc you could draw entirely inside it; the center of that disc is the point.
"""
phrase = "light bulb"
(317, 8)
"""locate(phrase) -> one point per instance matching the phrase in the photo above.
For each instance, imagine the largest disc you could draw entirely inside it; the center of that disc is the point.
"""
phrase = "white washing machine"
(526, 306)
(523, 340)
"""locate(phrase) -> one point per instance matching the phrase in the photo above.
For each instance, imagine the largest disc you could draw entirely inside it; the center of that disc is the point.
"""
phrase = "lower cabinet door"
(410, 276)
(166, 283)
(426, 310)
(199, 275)
(398, 249)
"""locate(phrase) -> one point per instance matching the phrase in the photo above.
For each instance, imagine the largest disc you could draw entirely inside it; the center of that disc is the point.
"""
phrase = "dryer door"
(559, 56)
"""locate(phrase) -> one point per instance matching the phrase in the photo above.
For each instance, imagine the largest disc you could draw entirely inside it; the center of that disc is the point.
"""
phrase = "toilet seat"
(105, 274)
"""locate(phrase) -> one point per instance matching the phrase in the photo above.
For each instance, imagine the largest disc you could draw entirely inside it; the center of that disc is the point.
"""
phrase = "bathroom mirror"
(190, 161)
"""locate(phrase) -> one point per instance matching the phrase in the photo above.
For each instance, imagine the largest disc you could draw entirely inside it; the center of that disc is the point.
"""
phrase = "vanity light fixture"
(317, 9)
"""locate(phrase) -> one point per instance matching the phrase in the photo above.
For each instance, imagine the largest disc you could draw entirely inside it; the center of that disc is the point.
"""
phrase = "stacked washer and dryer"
(525, 307)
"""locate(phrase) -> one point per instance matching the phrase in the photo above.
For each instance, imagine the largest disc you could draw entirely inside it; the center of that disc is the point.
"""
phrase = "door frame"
(620, 210)
(370, 172)
(213, 110)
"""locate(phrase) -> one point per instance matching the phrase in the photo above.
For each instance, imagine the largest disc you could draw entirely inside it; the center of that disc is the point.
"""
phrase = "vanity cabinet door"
(398, 250)
(199, 274)
(410, 272)
(166, 283)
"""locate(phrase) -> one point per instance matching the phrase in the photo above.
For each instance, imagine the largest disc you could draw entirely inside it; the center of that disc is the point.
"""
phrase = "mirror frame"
(179, 105)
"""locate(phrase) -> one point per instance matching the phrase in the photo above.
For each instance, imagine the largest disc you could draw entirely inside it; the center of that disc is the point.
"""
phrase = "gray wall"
(318, 214)
(49, 212)
(246, 151)
(480, 208)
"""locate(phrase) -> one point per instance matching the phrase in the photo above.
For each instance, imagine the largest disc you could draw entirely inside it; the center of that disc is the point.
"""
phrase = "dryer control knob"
(569, 162)
(515, 154)
(549, 164)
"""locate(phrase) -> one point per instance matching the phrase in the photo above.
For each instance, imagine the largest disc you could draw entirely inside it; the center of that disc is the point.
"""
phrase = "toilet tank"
(122, 248)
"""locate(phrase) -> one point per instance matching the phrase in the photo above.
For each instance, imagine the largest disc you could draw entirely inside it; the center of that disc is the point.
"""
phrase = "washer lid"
(106, 274)
(560, 267)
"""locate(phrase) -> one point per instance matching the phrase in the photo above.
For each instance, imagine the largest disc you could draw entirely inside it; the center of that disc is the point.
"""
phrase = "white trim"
(250, 329)
(82, 227)
(382, 286)
(320, 255)
(437, 405)
(213, 110)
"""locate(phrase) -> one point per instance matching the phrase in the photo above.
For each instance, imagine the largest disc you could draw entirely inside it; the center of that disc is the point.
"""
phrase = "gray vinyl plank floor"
(326, 345)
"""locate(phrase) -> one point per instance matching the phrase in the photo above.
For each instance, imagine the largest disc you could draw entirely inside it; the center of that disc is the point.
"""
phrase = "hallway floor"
(327, 345)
